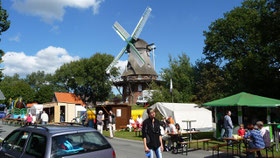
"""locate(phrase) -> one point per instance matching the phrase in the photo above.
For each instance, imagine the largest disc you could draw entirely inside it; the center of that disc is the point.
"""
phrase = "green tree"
(36, 79)
(14, 87)
(245, 44)
(87, 77)
(209, 82)
(181, 72)
(4, 26)
(44, 94)
(44, 86)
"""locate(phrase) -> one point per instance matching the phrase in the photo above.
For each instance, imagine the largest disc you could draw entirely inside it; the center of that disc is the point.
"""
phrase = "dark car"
(55, 142)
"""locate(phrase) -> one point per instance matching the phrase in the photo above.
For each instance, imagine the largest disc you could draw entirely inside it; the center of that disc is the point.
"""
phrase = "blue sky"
(47, 33)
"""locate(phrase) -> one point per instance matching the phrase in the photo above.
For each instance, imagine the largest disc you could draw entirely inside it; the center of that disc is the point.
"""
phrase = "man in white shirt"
(44, 118)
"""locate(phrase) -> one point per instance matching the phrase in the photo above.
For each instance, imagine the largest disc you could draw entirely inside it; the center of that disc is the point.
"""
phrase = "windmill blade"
(140, 61)
(115, 61)
(138, 29)
(121, 31)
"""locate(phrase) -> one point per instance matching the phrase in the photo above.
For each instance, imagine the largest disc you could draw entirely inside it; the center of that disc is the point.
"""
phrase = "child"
(241, 131)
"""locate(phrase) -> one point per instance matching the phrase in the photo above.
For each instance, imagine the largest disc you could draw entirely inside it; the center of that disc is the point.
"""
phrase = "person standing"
(100, 119)
(112, 123)
(151, 135)
(228, 125)
(83, 118)
(29, 120)
(44, 118)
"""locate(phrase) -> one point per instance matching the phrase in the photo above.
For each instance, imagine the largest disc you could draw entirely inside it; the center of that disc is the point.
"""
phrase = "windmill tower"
(139, 72)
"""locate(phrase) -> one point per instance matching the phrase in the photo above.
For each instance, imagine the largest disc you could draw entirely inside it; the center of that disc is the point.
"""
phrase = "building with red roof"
(66, 106)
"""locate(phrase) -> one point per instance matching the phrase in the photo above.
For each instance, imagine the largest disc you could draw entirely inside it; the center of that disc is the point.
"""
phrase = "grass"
(136, 107)
(124, 134)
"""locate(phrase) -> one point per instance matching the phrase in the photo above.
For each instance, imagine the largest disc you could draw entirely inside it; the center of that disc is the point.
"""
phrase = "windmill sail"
(138, 58)
(138, 29)
(115, 61)
(121, 31)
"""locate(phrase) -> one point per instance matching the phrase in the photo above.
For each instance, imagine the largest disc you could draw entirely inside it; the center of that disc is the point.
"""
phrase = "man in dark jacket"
(112, 123)
(151, 135)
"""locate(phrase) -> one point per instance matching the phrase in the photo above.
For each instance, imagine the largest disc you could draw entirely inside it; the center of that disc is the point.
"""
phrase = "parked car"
(54, 142)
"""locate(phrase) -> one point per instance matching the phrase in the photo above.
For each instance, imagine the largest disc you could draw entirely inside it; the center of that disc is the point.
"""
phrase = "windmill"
(139, 72)
(130, 48)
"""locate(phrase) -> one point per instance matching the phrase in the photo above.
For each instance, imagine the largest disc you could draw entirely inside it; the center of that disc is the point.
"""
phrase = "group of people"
(28, 119)
(256, 136)
(100, 118)
(135, 124)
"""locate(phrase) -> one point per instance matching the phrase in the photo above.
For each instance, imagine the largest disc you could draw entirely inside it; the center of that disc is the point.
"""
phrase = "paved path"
(5, 130)
(128, 149)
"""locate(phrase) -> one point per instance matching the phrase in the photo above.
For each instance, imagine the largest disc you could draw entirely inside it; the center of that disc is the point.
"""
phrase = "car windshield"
(77, 143)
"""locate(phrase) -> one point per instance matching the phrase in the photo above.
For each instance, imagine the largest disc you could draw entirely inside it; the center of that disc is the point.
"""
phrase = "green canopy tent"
(245, 99)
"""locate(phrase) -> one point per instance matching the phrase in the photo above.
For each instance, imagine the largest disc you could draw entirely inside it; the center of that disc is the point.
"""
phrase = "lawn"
(124, 134)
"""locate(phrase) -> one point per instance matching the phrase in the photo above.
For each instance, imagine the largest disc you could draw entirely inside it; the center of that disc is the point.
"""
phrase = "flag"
(171, 85)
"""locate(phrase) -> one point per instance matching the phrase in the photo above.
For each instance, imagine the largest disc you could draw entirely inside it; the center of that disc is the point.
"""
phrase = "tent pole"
(240, 121)
(268, 117)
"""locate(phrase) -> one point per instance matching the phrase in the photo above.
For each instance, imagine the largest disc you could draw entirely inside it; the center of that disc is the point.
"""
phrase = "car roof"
(57, 129)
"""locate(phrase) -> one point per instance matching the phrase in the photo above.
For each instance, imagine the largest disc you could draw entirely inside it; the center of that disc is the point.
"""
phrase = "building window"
(140, 88)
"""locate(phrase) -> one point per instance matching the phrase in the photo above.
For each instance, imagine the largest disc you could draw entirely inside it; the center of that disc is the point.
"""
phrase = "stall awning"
(245, 99)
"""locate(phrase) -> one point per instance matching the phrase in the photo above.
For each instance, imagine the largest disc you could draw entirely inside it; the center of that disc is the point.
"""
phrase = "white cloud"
(121, 65)
(48, 60)
(15, 38)
(50, 10)
(54, 28)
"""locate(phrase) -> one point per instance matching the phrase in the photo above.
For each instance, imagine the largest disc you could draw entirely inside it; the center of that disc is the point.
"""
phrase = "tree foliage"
(245, 44)
(4, 26)
(181, 72)
(87, 77)
(14, 87)
(44, 86)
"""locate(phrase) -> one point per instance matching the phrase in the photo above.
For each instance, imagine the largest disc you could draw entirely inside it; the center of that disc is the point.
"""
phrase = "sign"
(119, 112)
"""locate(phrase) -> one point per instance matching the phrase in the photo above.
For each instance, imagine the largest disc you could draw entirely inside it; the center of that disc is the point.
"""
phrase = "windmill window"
(140, 88)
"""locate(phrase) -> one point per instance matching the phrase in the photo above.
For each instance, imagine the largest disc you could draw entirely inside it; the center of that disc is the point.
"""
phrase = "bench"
(270, 148)
(123, 127)
(217, 147)
(198, 141)
(187, 143)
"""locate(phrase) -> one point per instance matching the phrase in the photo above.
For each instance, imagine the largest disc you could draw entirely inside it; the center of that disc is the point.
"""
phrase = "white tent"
(185, 111)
